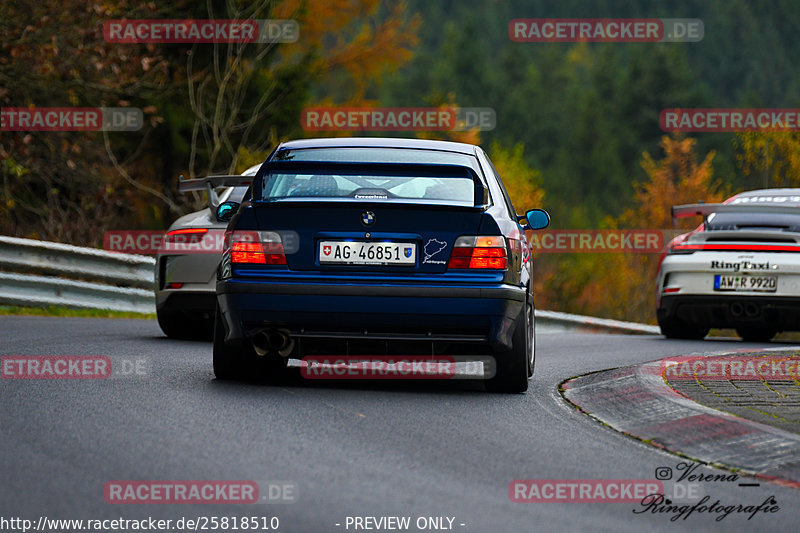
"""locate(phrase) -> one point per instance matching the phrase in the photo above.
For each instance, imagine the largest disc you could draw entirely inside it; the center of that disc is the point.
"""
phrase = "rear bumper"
(186, 302)
(781, 313)
(478, 314)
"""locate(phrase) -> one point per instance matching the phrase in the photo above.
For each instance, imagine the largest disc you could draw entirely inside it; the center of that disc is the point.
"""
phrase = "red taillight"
(248, 252)
(174, 285)
(668, 290)
(479, 253)
(257, 247)
(274, 253)
(186, 235)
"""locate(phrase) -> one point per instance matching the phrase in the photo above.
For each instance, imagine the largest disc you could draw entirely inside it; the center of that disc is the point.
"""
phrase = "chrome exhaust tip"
(266, 342)
(261, 343)
(282, 343)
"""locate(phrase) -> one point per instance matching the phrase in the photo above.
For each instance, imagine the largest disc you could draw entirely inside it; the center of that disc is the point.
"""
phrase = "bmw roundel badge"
(367, 218)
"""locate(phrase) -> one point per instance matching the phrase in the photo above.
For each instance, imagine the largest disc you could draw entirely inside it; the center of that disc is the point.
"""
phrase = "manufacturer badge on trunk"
(368, 218)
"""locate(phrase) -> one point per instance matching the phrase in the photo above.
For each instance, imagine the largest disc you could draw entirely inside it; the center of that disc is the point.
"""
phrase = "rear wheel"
(756, 334)
(675, 329)
(232, 362)
(532, 341)
(514, 366)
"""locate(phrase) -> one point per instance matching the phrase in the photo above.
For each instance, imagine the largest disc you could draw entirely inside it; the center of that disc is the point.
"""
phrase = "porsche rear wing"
(690, 210)
(210, 184)
(202, 184)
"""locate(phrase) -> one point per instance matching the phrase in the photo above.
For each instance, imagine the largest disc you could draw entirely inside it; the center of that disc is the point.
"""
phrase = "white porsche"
(739, 269)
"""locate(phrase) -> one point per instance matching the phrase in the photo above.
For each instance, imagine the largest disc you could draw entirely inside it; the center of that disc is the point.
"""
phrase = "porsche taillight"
(479, 252)
(186, 235)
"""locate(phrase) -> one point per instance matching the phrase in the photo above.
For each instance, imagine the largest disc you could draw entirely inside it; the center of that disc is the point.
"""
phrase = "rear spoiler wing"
(210, 183)
(690, 210)
(378, 169)
(201, 184)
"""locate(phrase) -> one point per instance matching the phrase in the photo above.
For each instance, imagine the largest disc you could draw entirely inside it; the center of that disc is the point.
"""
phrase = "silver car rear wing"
(210, 184)
(202, 184)
(690, 210)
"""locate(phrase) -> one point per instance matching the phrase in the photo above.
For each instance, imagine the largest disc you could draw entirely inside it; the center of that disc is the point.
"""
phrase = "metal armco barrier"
(37, 273)
(34, 274)
(568, 321)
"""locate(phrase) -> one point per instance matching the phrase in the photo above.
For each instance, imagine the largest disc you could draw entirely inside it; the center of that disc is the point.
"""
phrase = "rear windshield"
(755, 220)
(450, 190)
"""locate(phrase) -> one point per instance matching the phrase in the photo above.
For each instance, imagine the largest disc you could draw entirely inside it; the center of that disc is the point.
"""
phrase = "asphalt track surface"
(353, 449)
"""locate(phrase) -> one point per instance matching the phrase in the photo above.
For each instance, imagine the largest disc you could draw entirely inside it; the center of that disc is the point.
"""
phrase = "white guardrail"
(38, 273)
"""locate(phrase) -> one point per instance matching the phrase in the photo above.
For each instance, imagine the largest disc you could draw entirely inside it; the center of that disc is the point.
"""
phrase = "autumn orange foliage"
(771, 159)
(364, 50)
(621, 286)
(678, 178)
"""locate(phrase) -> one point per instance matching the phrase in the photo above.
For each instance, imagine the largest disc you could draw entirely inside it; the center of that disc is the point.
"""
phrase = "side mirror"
(537, 219)
(226, 210)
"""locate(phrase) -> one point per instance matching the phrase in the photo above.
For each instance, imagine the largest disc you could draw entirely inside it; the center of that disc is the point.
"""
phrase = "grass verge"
(54, 310)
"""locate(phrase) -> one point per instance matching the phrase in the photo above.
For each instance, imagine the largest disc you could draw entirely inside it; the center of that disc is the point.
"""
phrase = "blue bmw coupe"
(380, 247)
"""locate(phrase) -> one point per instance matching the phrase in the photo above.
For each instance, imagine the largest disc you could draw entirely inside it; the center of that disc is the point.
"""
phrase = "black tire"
(512, 366)
(228, 360)
(755, 334)
(675, 329)
(532, 359)
(242, 363)
(178, 326)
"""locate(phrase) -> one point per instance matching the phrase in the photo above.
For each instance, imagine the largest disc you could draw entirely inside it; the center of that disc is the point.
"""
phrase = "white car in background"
(186, 265)
(740, 269)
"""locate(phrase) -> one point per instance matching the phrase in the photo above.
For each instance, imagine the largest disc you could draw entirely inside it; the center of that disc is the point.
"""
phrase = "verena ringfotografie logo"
(199, 492)
(398, 118)
(396, 367)
(729, 120)
(598, 241)
(71, 119)
(671, 499)
(605, 30)
(201, 31)
(73, 367)
(753, 368)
